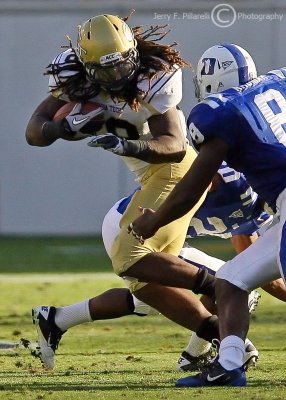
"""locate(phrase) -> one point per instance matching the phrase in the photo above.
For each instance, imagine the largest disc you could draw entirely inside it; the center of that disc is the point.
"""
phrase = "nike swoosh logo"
(79, 121)
(210, 379)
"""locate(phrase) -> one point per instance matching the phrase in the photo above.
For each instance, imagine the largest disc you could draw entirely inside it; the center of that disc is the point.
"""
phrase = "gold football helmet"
(107, 48)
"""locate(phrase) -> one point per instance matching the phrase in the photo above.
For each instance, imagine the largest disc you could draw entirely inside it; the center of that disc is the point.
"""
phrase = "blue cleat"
(214, 375)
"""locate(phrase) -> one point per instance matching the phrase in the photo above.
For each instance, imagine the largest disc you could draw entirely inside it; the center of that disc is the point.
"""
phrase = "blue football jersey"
(251, 118)
(232, 208)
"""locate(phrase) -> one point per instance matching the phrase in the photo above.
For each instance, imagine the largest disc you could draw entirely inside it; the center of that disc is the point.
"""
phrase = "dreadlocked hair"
(154, 58)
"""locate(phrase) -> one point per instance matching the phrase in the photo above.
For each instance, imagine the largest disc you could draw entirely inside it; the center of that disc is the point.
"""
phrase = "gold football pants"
(156, 185)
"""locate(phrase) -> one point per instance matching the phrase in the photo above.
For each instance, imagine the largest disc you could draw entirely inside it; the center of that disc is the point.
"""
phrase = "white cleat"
(253, 299)
(251, 355)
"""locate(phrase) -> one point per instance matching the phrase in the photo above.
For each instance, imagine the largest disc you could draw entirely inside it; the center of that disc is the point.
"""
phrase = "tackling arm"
(186, 193)
(241, 242)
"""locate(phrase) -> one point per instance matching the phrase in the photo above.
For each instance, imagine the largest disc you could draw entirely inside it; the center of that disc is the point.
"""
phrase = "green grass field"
(127, 358)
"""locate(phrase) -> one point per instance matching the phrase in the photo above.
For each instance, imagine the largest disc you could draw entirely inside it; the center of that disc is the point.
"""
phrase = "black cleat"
(186, 362)
(49, 335)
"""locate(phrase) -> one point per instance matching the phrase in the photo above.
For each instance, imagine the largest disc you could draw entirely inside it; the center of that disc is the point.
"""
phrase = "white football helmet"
(222, 67)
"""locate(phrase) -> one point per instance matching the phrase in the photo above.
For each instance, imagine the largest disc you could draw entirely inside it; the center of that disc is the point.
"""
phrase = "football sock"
(205, 283)
(231, 352)
(209, 329)
(69, 316)
(197, 346)
(130, 302)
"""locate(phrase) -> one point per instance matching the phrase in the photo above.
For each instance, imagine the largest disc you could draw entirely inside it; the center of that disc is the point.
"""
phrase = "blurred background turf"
(75, 253)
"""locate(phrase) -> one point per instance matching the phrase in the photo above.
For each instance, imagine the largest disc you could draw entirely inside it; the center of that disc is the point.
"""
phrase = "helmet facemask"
(114, 75)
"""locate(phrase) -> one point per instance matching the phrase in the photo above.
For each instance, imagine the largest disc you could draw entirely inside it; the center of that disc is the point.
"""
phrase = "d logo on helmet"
(208, 66)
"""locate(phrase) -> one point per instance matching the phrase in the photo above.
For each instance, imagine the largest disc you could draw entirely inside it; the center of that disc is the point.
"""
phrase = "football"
(92, 126)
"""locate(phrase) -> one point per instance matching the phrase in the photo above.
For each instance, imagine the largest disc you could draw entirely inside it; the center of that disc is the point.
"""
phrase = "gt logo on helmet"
(81, 51)
(110, 58)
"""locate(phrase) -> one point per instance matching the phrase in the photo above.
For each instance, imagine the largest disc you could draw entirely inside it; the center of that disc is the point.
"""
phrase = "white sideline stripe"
(27, 277)
(8, 345)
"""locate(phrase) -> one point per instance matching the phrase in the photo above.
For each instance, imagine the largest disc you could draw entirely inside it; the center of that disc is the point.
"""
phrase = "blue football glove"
(110, 142)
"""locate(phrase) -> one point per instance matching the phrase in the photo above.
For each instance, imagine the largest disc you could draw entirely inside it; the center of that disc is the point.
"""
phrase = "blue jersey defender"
(252, 119)
(241, 119)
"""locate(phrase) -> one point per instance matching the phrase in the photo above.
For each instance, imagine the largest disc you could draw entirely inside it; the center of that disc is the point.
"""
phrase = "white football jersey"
(160, 94)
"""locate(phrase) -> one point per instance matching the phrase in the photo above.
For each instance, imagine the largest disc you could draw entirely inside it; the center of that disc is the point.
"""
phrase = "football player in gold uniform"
(137, 83)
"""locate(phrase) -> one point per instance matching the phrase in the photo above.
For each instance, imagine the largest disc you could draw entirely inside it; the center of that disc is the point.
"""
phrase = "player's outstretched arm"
(186, 193)
(241, 242)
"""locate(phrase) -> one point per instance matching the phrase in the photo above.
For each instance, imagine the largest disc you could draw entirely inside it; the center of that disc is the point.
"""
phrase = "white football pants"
(264, 260)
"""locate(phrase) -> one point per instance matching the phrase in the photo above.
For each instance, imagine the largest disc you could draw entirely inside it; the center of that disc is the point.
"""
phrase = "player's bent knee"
(228, 275)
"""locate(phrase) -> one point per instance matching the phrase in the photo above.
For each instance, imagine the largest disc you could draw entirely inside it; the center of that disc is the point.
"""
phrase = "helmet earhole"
(208, 88)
